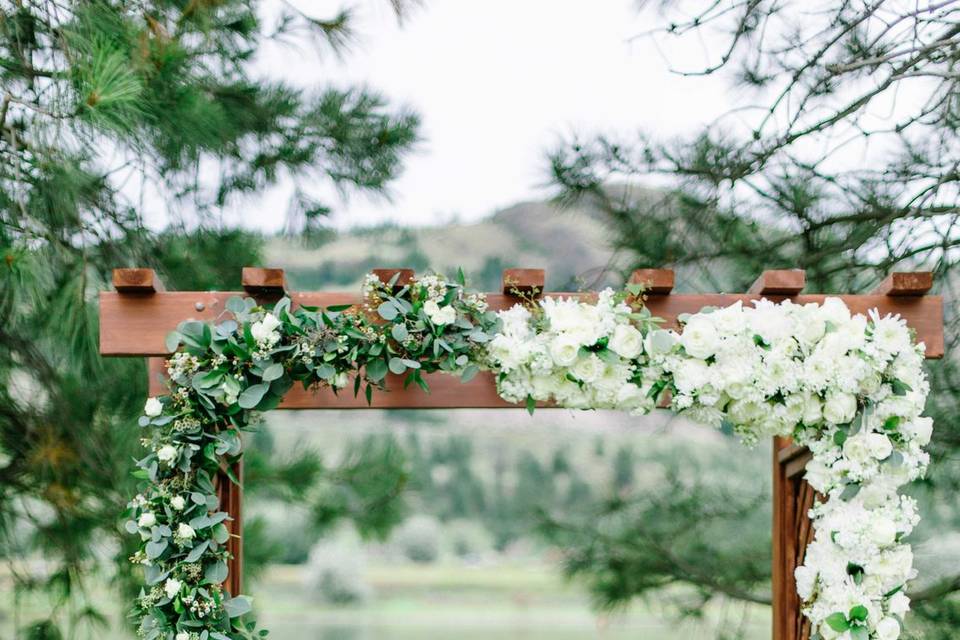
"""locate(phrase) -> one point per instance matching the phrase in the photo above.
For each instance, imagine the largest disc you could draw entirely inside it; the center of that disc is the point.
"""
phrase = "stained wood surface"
(782, 282)
(525, 281)
(914, 283)
(231, 501)
(136, 281)
(259, 281)
(656, 281)
(138, 325)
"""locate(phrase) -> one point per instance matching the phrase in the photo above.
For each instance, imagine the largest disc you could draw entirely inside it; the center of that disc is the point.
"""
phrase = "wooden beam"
(385, 275)
(657, 282)
(904, 283)
(264, 282)
(142, 281)
(137, 325)
(779, 282)
(529, 282)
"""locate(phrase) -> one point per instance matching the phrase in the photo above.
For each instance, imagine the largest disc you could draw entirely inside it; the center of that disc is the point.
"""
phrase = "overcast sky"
(497, 84)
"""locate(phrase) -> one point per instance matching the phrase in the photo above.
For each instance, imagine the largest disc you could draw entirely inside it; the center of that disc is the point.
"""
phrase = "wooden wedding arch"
(136, 317)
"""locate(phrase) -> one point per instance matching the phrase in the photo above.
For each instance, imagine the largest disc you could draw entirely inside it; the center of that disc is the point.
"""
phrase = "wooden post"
(231, 501)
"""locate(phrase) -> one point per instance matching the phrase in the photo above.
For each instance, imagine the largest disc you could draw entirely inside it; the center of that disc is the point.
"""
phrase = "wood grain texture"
(779, 282)
(137, 325)
(260, 281)
(525, 281)
(143, 281)
(657, 282)
(903, 283)
(231, 501)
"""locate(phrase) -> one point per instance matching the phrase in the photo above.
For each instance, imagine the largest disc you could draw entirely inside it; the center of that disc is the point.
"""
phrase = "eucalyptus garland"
(850, 387)
(222, 376)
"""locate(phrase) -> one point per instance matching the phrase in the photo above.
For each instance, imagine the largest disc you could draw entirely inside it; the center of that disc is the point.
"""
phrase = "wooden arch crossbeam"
(136, 317)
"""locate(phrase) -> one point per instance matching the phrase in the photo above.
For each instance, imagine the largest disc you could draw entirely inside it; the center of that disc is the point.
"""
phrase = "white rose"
(660, 341)
(147, 520)
(899, 604)
(882, 531)
(431, 308)
(153, 408)
(812, 410)
(834, 310)
(888, 629)
(263, 331)
(919, 429)
(840, 408)
(874, 495)
(167, 454)
(879, 444)
(185, 531)
(341, 380)
(172, 587)
(446, 315)
(626, 341)
(699, 337)
(857, 449)
(564, 350)
(587, 369)
(178, 503)
(183, 635)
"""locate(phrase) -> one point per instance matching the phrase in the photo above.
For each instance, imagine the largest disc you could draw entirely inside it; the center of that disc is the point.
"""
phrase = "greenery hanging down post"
(841, 160)
(105, 107)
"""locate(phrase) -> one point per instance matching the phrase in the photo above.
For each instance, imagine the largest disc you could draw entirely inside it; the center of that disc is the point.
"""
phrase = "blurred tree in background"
(106, 105)
(842, 160)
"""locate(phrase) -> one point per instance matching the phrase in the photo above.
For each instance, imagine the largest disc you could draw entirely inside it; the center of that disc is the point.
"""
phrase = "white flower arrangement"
(849, 387)
(574, 354)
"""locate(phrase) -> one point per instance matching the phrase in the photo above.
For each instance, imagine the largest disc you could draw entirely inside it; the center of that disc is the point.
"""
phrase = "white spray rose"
(626, 341)
(899, 604)
(806, 578)
(183, 635)
(699, 337)
(919, 429)
(147, 520)
(839, 408)
(812, 410)
(857, 449)
(264, 331)
(587, 369)
(153, 408)
(172, 587)
(431, 308)
(167, 454)
(564, 350)
(178, 503)
(446, 315)
(880, 446)
(185, 531)
(882, 531)
(888, 629)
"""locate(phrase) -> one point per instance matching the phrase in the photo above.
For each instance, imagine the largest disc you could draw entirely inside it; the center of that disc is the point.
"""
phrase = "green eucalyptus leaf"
(252, 395)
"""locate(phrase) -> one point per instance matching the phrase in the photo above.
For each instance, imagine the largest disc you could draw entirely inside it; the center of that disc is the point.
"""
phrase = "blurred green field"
(502, 602)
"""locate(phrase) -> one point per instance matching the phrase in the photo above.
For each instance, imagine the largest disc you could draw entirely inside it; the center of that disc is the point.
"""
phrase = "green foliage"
(107, 105)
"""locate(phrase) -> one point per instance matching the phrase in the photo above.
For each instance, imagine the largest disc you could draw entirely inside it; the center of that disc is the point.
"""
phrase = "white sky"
(497, 83)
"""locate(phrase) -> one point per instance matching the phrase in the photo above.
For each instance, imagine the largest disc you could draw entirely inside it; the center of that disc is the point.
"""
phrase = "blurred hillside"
(571, 244)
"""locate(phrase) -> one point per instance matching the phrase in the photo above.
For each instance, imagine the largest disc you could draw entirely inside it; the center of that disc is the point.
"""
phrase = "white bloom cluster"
(573, 353)
(849, 387)
(265, 331)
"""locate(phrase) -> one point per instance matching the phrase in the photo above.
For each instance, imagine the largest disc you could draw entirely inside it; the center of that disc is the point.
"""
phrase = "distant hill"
(571, 244)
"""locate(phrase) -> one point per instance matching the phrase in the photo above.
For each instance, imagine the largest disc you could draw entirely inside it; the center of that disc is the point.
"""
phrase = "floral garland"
(849, 387)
